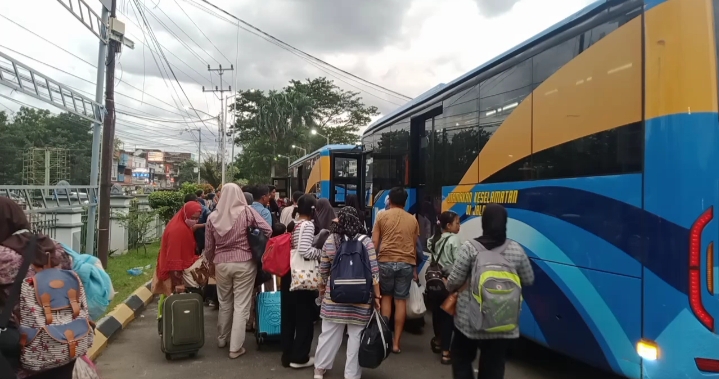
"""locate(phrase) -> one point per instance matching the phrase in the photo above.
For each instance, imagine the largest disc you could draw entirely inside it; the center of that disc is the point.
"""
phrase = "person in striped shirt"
(228, 250)
(335, 317)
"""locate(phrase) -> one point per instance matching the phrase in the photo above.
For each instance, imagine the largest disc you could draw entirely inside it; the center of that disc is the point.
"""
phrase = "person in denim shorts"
(396, 233)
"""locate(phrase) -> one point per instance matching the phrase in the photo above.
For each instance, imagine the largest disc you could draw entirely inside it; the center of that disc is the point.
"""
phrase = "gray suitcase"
(183, 325)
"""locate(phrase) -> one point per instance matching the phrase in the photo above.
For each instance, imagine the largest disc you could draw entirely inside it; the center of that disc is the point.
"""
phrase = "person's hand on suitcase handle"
(180, 289)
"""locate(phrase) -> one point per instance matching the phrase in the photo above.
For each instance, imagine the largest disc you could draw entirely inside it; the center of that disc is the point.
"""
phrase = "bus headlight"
(648, 350)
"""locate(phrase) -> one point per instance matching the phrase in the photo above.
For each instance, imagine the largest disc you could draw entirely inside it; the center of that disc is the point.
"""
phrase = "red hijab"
(177, 248)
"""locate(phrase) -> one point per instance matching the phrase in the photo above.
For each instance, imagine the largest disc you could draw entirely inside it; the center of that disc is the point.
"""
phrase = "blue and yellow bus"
(601, 137)
(336, 167)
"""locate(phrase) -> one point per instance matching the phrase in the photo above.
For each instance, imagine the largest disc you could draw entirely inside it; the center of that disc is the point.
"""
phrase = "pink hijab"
(231, 204)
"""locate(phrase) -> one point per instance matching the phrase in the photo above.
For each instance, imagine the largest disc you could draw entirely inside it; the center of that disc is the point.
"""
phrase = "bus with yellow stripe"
(601, 138)
(332, 172)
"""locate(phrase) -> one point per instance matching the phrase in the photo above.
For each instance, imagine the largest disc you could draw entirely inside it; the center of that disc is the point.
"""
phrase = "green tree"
(33, 128)
(337, 114)
(269, 123)
(187, 172)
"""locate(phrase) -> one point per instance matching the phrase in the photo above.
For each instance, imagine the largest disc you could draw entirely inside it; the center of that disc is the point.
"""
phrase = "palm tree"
(285, 118)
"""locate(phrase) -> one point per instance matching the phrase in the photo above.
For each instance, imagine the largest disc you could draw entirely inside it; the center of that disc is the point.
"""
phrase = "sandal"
(446, 358)
(436, 348)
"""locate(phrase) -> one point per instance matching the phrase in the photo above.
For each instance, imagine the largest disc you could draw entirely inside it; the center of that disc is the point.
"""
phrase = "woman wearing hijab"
(324, 215)
(354, 202)
(228, 250)
(177, 255)
(14, 237)
(335, 317)
(467, 339)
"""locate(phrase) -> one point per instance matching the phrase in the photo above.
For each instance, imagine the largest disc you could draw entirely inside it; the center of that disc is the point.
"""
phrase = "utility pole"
(223, 114)
(117, 31)
(101, 28)
(199, 153)
(96, 132)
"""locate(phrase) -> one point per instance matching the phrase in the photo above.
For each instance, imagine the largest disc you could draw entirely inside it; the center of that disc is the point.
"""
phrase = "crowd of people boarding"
(218, 227)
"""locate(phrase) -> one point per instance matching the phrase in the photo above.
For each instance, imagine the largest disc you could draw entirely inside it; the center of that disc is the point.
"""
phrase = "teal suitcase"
(183, 325)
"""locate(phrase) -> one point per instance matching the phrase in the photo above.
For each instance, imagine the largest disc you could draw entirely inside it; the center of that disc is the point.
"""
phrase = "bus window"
(345, 178)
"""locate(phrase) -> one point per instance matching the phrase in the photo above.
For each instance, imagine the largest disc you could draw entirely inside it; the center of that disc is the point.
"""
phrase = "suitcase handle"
(274, 284)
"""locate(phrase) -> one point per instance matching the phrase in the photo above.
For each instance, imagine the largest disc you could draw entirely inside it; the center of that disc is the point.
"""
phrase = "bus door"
(283, 186)
(345, 177)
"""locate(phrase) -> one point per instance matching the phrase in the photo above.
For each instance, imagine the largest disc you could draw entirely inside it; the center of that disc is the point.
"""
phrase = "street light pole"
(314, 132)
(304, 151)
(199, 153)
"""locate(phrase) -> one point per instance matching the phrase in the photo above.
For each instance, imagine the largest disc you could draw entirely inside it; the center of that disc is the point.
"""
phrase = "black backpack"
(351, 273)
(434, 286)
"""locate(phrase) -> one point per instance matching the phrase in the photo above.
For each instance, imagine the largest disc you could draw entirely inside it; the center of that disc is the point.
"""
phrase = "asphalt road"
(136, 353)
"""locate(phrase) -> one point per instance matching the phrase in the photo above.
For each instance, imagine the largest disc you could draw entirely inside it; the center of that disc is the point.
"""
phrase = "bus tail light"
(695, 288)
(710, 267)
(707, 365)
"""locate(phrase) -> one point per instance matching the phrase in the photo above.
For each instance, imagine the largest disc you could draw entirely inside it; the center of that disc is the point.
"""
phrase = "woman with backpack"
(443, 247)
(471, 330)
(335, 316)
(15, 236)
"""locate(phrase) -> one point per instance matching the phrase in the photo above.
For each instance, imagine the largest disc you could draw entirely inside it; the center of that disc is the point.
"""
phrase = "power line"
(203, 33)
(267, 35)
(299, 53)
(154, 39)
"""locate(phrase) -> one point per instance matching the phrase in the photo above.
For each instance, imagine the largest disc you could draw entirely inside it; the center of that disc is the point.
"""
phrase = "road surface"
(135, 353)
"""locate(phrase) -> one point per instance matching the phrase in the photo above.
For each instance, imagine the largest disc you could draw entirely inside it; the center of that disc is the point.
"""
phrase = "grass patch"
(124, 283)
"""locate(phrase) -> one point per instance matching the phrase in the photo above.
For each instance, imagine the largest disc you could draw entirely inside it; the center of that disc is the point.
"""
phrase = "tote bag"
(305, 272)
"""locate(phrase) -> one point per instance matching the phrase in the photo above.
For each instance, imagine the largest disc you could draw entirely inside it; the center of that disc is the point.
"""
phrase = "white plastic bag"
(415, 304)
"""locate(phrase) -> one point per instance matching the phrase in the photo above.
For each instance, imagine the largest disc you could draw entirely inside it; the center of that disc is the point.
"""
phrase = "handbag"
(449, 304)
(305, 272)
(257, 239)
(9, 333)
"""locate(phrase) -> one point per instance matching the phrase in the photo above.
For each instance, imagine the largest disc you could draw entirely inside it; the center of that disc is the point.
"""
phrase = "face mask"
(188, 221)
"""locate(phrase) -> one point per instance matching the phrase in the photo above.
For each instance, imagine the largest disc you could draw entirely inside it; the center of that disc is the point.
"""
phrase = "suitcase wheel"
(193, 355)
(168, 356)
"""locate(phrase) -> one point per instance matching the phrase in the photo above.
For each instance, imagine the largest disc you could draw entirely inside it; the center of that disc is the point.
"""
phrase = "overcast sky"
(407, 46)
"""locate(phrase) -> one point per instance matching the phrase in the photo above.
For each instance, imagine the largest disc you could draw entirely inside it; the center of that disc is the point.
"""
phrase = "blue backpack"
(351, 274)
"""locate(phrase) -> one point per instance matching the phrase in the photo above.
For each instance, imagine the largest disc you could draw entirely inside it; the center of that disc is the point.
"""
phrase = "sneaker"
(309, 363)
(319, 373)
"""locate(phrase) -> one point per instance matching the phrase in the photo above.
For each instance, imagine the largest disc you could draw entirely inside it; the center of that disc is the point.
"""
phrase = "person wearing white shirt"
(288, 213)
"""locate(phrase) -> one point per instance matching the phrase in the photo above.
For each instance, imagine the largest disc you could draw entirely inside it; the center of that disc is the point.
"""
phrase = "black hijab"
(494, 226)
(348, 223)
(324, 214)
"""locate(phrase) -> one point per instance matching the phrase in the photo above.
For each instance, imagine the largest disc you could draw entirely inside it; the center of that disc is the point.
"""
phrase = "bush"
(167, 203)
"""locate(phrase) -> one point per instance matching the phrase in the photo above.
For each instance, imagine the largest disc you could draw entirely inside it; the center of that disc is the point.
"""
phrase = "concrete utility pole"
(96, 132)
(117, 31)
(223, 114)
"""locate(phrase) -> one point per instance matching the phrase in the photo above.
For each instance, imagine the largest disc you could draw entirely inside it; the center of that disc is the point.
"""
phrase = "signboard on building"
(155, 156)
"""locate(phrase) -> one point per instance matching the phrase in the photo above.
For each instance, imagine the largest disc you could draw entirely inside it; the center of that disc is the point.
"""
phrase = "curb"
(114, 322)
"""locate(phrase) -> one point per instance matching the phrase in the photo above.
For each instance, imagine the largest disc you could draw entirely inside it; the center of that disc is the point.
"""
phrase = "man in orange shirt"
(396, 233)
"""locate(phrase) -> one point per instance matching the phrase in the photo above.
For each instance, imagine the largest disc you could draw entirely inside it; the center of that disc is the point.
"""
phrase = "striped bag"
(54, 320)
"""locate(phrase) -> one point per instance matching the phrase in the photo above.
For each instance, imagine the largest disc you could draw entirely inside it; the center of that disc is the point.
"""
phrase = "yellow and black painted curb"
(112, 324)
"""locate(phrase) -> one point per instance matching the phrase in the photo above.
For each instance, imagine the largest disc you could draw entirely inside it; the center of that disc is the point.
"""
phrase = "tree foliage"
(32, 128)
(268, 124)
(167, 203)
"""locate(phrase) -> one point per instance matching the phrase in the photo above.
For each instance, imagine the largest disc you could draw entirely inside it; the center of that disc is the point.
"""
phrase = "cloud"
(408, 46)
(491, 8)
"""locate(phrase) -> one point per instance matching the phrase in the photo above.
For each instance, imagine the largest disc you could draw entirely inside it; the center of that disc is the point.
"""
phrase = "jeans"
(492, 358)
(298, 313)
(395, 279)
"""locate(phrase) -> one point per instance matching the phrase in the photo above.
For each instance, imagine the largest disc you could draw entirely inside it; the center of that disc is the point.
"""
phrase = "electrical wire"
(154, 38)
(273, 38)
(311, 62)
(203, 33)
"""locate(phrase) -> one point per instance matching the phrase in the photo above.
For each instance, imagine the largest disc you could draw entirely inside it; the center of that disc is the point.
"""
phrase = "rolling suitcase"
(183, 325)
(268, 314)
